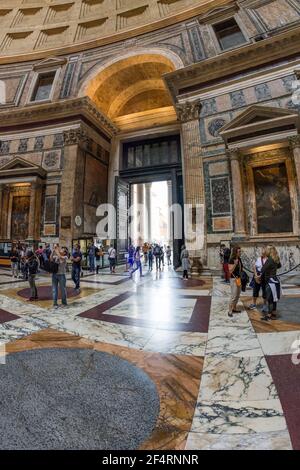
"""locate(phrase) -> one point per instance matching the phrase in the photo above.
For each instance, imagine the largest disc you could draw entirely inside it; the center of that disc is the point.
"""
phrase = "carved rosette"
(188, 111)
(294, 141)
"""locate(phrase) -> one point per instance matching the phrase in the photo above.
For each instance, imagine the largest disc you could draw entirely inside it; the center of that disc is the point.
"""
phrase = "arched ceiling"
(132, 85)
(34, 26)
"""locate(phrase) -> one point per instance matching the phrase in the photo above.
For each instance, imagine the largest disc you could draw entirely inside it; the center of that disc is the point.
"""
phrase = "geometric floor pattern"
(222, 383)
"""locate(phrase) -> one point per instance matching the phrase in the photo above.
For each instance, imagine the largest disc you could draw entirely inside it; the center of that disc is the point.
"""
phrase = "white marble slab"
(180, 343)
(235, 341)
(241, 417)
(278, 440)
(282, 342)
(236, 378)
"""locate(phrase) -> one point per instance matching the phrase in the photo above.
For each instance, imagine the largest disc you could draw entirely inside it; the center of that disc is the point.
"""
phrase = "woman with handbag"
(257, 282)
(235, 270)
(272, 281)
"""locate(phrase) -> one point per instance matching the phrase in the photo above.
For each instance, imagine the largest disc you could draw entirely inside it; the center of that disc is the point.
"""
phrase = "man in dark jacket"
(32, 266)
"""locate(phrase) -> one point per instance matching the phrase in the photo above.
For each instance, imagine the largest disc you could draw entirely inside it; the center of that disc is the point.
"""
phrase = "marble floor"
(222, 383)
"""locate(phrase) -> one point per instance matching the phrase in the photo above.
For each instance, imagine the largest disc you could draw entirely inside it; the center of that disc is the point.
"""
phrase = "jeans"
(59, 279)
(138, 266)
(15, 268)
(158, 262)
(185, 274)
(112, 264)
(92, 262)
(33, 289)
(150, 261)
(76, 275)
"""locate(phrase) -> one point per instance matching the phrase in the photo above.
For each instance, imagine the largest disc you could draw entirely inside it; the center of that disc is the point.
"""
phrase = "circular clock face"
(78, 221)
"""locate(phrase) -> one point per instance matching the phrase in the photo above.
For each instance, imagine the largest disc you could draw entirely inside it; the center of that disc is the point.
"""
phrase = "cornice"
(203, 73)
(58, 110)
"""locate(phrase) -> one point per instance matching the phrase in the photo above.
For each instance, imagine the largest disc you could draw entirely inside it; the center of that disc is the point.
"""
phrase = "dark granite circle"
(74, 399)
(45, 293)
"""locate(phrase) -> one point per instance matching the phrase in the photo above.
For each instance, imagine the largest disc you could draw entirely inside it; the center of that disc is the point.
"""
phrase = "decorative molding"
(75, 136)
(60, 109)
(294, 141)
(188, 111)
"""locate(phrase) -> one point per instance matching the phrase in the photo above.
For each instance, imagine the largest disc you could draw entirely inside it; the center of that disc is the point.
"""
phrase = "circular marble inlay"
(74, 399)
(45, 293)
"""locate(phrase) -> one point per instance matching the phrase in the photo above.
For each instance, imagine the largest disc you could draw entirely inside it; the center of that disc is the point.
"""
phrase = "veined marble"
(279, 343)
(241, 417)
(234, 341)
(173, 342)
(236, 378)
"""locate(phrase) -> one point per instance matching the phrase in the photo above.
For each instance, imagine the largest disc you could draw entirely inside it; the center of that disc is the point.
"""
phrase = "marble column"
(238, 193)
(4, 213)
(148, 234)
(193, 176)
(170, 218)
(32, 212)
(140, 214)
(1, 211)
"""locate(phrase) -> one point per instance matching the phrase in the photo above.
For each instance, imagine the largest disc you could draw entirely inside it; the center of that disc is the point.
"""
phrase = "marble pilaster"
(238, 193)
(189, 115)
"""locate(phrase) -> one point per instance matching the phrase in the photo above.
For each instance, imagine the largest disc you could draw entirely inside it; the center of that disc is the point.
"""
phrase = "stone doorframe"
(262, 130)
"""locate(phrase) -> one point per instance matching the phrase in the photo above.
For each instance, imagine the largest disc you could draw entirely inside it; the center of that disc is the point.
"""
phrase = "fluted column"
(1, 211)
(148, 234)
(140, 213)
(193, 177)
(170, 218)
(32, 212)
(4, 211)
(238, 193)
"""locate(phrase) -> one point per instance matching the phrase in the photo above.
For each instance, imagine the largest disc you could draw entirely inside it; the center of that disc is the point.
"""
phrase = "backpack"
(51, 266)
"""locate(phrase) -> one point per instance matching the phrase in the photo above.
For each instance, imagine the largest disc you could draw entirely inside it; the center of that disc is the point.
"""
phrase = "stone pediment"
(20, 167)
(261, 122)
(258, 114)
(50, 62)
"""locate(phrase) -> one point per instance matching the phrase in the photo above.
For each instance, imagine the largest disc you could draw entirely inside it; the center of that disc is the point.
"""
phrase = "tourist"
(76, 259)
(185, 261)
(272, 282)
(145, 252)
(235, 270)
(258, 282)
(137, 260)
(130, 259)
(14, 261)
(91, 255)
(98, 259)
(150, 258)
(59, 258)
(157, 254)
(112, 255)
(169, 254)
(32, 267)
(225, 256)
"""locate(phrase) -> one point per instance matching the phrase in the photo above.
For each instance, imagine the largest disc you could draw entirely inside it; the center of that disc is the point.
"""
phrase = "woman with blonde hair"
(272, 282)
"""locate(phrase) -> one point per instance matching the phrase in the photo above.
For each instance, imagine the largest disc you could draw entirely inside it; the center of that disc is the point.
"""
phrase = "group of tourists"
(265, 280)
(29, 263)
(149, 252)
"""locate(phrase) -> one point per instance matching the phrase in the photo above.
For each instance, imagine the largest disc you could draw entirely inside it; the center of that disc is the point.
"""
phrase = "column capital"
(233, 153)
(188, 111)
(294, 141)
(75, 136)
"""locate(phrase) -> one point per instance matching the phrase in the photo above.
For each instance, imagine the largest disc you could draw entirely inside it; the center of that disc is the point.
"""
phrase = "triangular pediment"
(258, 114)
(50, 62)
(217, 12)
(18, 164)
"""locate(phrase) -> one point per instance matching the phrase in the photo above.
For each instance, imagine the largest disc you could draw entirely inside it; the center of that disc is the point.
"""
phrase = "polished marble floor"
(223, 383)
